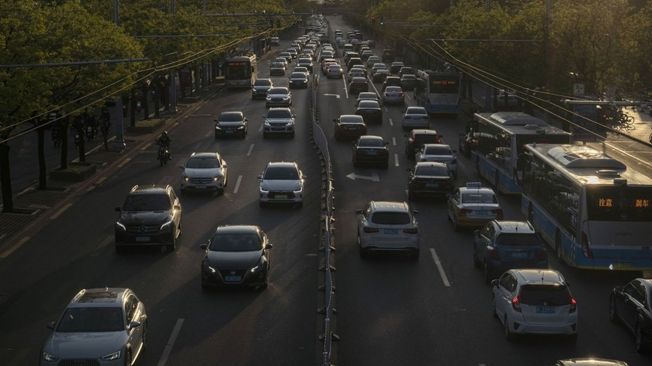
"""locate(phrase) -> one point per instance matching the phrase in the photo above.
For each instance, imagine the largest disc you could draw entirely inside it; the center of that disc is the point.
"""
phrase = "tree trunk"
(42, 169)
(5, 179)
(157, 100)
(64, 142)
(132, 109)
(145, 91)
(82, 146)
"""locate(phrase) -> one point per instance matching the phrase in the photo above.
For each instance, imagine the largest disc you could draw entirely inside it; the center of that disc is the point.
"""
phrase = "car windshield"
(91, 319)
(262, 82)
(235, 242)
(435, 171)
(298, 75)
(278, 91)
(438, 150)
(230, 117)
(425, 139)
(279, 113)
(147, 202)
(547, 295)
(416, 111)
(368, 104)
(391, 89)
(281, 173)
(390, 218)
(203, 162)
(517, 240)
(371, 142)
(479, 197)
(351, 119)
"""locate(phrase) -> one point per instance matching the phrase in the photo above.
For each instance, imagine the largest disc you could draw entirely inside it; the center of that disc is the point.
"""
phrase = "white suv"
(533, 301)
(387, 226)
(204, 171)
(281, 182)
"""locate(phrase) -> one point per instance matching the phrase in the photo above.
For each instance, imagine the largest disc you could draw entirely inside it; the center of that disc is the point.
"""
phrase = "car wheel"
(508, 332)
(299, 204)
(573, 338)
(613, 316)
(494, 313)
(386, 165)
(204, 285)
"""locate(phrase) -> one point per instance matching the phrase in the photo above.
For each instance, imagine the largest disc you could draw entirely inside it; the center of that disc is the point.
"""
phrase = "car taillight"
(516, 303)
(585, 246)
(411, 231)
(370, 230)
(499, 214)
(573, 305)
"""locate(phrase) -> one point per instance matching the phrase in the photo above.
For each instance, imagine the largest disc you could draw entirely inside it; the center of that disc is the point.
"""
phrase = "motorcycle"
(163, 154)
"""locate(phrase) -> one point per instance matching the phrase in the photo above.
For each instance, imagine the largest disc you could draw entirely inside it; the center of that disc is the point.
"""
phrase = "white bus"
(439, 91)
(593, 210)
(240, 71)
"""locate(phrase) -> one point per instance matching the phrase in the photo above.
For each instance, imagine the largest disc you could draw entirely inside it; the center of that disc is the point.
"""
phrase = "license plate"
(372, 152)
(232, 278)
(142, 238)
(519, 255)
(228, 131)
(545, 310)
(281, 196)
(482, 213)
(390, 231)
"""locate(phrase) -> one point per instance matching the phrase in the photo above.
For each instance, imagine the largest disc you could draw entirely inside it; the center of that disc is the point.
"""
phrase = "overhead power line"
(74, 63)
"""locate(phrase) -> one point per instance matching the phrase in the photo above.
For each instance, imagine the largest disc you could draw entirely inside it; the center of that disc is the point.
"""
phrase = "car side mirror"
(269, 246)
(118, 209)
(494, 282)
(359, 212)
(51, 325)
(134, 324)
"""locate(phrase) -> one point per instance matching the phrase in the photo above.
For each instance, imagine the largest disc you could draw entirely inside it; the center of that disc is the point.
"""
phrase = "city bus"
(496, 141)
(439, 91)
(240, 71)
(594, 211)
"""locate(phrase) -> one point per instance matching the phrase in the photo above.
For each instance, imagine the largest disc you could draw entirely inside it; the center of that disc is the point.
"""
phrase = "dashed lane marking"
(237, 184)
(7, 252)
(391, 123)
(60, 211)
(346, 91)
(440, 268)
(147, 146)
(395, 159)
(168, 347)
(251, 148)
(393, 141)
(124, 162)
(260, 129)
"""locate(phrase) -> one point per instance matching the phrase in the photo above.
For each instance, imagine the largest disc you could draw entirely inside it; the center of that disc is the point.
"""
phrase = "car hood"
(233, 260)
(202, 173)
(279, 120)
(280, 185)
(144, 217)
(84, 345)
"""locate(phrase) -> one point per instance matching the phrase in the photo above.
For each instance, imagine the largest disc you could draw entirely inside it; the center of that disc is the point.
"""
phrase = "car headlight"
(217, 127)
(211, 269)
(299, 190)
(120, 225)
(186, 179)
(112, 356)
(262, 190)
(166, 225)
(259, 266)
(241, 127)
(50, 357)
(267, 124)
(218, 178)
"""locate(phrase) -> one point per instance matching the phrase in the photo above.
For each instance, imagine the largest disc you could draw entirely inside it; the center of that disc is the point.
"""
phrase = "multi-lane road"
(390, 311)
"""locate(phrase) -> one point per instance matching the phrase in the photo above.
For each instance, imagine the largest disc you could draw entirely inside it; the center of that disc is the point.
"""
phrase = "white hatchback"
(534, 301)
(387, 227)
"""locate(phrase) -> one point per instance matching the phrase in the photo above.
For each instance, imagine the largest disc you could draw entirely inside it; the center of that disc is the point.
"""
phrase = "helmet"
(164, 134)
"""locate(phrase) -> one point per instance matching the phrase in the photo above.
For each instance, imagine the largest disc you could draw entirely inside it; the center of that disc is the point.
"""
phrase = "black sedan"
(358, 84)
(372, 150)
(632, 306)
(236, 256)
(430, 179)
(349, 126)
(370, 110)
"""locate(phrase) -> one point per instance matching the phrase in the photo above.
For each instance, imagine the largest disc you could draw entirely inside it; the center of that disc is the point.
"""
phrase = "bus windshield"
(619, 203)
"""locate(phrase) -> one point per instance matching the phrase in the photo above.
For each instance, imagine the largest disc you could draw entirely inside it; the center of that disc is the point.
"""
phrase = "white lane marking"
(107, 239)
(168, 347)
(260, 129)
(395, 159)
(391, 123)
(124, 162)
(147, 146)
(175, 124)
(373, 86)
(7, 252)
(100, 181)
(386, 110)
(237, 184)
(440, 268)
(393, 141)
(346, 91)
(251, 148)
(61, 211)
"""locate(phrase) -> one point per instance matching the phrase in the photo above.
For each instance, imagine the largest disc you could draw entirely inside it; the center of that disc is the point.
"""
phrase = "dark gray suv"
(151, 215)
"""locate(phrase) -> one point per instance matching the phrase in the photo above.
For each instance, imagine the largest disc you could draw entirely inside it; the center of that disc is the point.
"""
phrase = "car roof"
(538, 276)
(148, 189)
(230, 113)
(514, 227)
(436, 145)
(279, 109)
(370, 137)
(389, 206)
(237, 229)
(105, 296)
(416, 108)
(205, 154)
(351, 117)
(286, 164)
(477, 190)
(591, 362)
(429, 164)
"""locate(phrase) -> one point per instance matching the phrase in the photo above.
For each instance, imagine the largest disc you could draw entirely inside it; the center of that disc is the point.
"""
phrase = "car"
(293, 52)
(364, 55)
(326, 54)
(407, 70)
(534, 301)
(417, 138)
(100, 326)
(348, 47)
(370, 110)
(360, 68)
(236, 255)
(231, 123)
(631, 305)
(274, 41)
(438, 152)
(353, 61)
(503, 245)
(279, 121)
(429, 179)
(261, 86)
(366, 96)
(204, 171)
(388, 55)
(371, 150)
(349, 126)
(281, 182)
(150, 215)
(372, 60)
(473, 206)
(350, 54)
(298, 80)
(282, 60)
(380, 75)
(590, 361)
(287, 56)
(415, 117)
(355, 73)
(303, 70)
(326, 64)
(358, 84)
(391, 81)
(393, 95)
(395, 67)
(278, 96)
(385, 226)
(305, 62)
(334, 71)
(276, 69)
(377, 66)
(409, 81)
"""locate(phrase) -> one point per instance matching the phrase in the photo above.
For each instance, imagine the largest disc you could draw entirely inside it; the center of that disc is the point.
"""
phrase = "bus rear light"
(585, 246)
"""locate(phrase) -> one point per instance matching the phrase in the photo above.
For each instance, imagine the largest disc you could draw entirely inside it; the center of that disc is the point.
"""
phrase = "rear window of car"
(438, 150)
(371, 143)
(390, 218)
(434, 171)
(408, 77)
(276, 65)
(394, 89)
(479, 197)
(277, 91)
(425, 139)
(371, 104)
(298, 75)
(415, 110)
(351, 119)
(551, 295)
(517, 240)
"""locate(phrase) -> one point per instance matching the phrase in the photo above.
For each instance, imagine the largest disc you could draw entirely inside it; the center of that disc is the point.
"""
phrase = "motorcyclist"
(164, 141)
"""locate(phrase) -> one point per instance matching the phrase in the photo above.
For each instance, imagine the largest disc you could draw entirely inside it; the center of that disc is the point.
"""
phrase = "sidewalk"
(34, 206)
